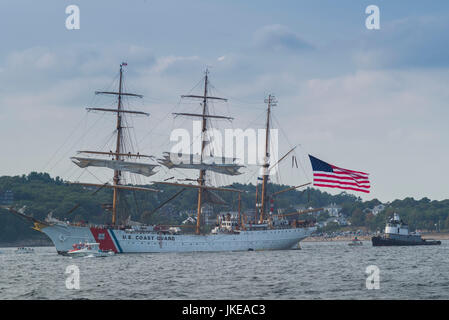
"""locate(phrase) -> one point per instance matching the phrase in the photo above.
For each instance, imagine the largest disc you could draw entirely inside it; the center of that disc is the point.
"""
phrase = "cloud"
(74, 60)
(405, 43)
(277, 38)
(173, 63)
(38, 58)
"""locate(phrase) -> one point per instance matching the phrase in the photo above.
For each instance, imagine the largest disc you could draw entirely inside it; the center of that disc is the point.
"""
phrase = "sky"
(368, 100)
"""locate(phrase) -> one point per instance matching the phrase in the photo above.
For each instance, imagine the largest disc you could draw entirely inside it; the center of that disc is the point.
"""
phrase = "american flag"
(327, 175)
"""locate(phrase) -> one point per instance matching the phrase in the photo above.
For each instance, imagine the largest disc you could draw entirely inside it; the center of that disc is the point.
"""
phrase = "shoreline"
(27, 243)
(427, 235)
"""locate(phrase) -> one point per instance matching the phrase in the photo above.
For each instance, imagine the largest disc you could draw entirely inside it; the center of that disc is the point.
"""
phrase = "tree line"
(42, 194)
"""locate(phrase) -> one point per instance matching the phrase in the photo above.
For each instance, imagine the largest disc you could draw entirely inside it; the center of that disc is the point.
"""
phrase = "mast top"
(271, 100)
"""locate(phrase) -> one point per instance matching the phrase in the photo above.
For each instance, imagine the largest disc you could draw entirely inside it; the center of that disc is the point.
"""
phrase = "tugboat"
(397, 234)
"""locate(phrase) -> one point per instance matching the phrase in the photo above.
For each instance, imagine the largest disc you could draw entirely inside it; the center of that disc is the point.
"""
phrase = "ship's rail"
(148, 228)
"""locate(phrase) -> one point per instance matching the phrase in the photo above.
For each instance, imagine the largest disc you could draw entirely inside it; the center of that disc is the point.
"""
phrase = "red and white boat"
(88, 249)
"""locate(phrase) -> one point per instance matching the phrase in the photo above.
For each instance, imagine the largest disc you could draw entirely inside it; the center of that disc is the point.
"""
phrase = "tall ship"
(267, 231)
(397, 234)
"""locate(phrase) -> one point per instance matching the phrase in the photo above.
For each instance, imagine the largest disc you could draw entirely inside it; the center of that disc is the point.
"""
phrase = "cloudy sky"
(368, 100)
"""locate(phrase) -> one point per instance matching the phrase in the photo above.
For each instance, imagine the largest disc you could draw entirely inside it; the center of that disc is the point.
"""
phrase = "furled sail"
(221, 165)
(134, 167)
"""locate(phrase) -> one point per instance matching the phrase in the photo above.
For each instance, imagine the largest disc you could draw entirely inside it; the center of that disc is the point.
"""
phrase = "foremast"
(117, 164)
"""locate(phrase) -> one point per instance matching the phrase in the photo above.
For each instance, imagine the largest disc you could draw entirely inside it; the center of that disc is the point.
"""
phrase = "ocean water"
(321, 270)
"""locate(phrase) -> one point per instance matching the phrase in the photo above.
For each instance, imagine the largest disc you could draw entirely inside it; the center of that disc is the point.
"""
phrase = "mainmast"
(220, 165)
(271, 101)
(203, 144)
(231, 169)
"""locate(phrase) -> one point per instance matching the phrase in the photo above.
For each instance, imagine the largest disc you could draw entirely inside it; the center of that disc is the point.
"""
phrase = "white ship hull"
(128, 241)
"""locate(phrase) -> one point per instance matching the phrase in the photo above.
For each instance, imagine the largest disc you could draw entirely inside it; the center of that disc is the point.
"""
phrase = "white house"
(333, 210)
(377, 209)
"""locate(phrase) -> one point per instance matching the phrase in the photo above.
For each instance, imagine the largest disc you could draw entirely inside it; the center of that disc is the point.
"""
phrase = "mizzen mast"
(271, 102)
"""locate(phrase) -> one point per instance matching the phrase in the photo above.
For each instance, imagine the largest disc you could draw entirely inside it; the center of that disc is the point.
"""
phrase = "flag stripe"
(340, 187)
(342, 182)
(364, 183)
(359, 172)
(345, 179)
(326, 175)
(350, 174)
